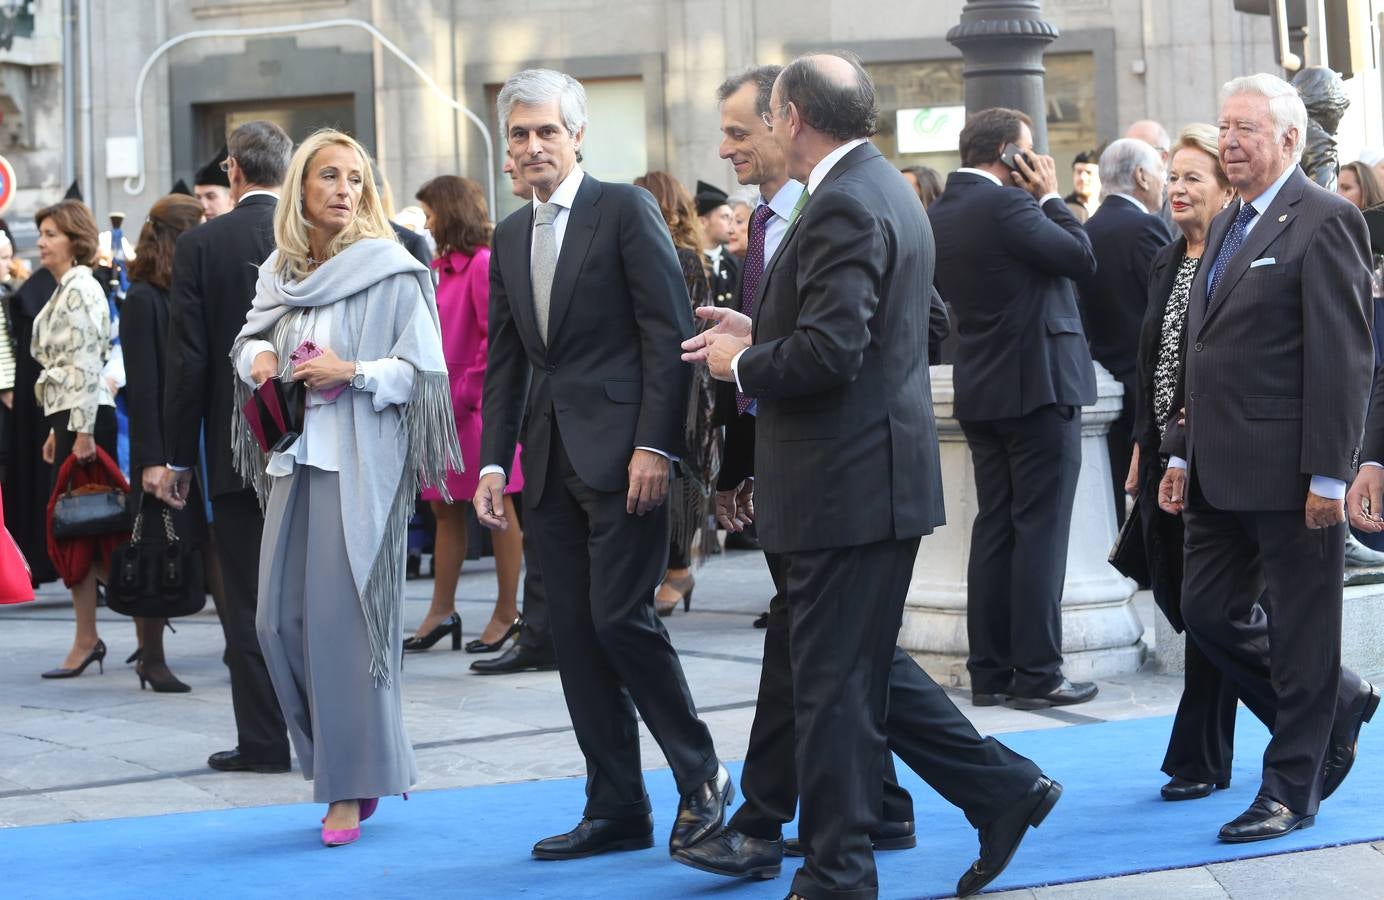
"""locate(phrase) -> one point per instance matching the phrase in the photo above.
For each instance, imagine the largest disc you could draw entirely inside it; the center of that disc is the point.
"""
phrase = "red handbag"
(16, 579)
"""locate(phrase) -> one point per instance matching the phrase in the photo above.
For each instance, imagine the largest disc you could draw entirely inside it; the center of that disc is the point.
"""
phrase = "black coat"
(215, 267)
(1162, 533)
(1004, 266)
(415, 244)
(846, 444)
(611, 376)
(27, 477)
(1114, 297)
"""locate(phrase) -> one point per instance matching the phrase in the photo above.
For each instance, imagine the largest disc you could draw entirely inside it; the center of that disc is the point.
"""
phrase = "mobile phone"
(1010, 156)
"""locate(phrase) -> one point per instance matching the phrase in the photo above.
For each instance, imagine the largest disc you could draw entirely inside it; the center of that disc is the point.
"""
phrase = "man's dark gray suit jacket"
(846, 444)
(1278, 364)
(610, 377)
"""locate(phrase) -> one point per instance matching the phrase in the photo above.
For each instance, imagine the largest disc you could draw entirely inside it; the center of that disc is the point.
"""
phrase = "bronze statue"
(1324, 95)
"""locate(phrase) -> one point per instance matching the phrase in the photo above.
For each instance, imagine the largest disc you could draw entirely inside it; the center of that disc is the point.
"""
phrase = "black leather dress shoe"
(702, 813)
(1182, 789)
(742, 540)
(1345, 735)
(734, 855)
(1001, 838)
(1265, 819)
(515, 659)
(884, 836)
(1067, 693)
(235, 761)
(592, 836)
(980, 698)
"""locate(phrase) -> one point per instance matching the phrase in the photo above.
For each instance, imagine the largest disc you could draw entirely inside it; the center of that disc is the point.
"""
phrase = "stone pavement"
(98, 747)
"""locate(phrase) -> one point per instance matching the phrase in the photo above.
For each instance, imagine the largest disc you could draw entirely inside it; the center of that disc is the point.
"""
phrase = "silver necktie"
(544, 262)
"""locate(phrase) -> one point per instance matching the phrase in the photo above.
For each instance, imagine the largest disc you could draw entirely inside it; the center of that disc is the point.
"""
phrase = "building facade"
(651, 68)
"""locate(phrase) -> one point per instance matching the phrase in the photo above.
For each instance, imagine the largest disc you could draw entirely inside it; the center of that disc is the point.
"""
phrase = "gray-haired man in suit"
(1277, 378)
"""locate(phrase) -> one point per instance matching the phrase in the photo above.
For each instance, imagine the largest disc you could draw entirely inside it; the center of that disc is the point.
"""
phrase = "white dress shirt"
(1323, 486)
(1051, 195)
(1138, 204)
(389, 380)
(564, 197)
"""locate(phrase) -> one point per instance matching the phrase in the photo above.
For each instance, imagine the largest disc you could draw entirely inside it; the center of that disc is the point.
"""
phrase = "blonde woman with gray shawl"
(378, 420)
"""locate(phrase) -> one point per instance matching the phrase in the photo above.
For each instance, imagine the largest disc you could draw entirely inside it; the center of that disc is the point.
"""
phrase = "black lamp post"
(1002, 43)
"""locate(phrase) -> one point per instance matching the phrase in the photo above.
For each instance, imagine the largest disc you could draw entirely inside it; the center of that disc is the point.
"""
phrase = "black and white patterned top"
(1165, 372)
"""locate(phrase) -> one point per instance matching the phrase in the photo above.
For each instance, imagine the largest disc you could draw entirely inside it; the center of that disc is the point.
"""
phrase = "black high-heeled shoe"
(451, 624)
(164, 682)
(480, 646)
(97, 655)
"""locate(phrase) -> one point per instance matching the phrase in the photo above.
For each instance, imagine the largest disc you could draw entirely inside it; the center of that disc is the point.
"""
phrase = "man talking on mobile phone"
(1007, 251)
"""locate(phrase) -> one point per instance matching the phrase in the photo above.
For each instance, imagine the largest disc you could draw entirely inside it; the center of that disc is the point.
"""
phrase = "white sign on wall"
(930, 129)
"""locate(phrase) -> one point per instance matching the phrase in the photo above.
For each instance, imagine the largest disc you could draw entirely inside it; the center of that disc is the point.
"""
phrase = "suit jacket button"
(551, 369)
(1196, 347)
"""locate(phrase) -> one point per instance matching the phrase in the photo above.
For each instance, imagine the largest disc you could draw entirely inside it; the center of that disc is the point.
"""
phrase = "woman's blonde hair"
(291, 226)
(1206, 138)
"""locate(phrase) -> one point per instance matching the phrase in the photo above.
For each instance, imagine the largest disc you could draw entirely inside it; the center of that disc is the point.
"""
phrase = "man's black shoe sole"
(639, 843)
(760, 872)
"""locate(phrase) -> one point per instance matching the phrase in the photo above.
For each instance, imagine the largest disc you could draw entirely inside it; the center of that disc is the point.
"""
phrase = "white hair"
(534, 87)
(1285, 104)
(1121, 160)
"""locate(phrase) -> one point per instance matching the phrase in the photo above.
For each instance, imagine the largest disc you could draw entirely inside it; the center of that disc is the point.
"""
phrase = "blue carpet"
(474, 843)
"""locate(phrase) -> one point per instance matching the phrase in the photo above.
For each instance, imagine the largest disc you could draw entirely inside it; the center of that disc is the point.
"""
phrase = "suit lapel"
(518, 273)
(763, 285)
(1275, 220)
(1196, 303)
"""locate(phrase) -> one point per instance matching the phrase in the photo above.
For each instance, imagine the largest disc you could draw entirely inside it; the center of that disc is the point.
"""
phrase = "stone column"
(1101, 631)
(1002, 43)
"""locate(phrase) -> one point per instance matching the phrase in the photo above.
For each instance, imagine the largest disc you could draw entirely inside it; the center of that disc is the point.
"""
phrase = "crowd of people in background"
(456, 371)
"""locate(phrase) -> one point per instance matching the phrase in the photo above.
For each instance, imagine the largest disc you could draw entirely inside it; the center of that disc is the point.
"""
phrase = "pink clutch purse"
(308, 350)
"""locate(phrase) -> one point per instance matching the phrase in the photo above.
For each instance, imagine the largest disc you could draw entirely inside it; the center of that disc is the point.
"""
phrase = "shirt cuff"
(1370, 462)
(1176, 462)
(246, 362)
(660, 453)
(173, 468)
(1046, 197)
(499, 470)
(1328, 488)
(735, 370)
(390, 380)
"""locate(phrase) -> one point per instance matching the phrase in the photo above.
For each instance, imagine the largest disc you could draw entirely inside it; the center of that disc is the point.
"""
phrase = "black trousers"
(600, 567)
(769, 781)
(1026, 472)
(1240, 562)
(1119, 442)
(259, 723)
(855, 694)
(537, 633)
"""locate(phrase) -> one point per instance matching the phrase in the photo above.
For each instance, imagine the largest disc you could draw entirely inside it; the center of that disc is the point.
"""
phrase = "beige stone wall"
(681, 48)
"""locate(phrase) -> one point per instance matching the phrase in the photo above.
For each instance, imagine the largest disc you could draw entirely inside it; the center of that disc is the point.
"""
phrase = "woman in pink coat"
(459, 223)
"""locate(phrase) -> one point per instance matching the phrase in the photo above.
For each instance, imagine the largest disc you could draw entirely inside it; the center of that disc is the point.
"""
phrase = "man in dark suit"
(847, 482)
(214, 270)
(1007, 249)
(1125, 235)
(714, 213)
(1277, 376)
(587, 306)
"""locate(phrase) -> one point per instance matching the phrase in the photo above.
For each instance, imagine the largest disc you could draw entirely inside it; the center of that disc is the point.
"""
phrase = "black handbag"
(92, 510)
(156, 577)
(1129, 556)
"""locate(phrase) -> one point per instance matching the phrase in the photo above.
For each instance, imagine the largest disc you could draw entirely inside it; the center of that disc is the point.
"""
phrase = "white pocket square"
(1266, 261)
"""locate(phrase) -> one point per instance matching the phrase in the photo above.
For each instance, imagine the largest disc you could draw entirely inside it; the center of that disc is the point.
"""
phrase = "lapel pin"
(1283, 218)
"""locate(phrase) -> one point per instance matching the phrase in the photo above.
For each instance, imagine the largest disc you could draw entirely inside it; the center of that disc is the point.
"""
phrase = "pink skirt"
(462, 485)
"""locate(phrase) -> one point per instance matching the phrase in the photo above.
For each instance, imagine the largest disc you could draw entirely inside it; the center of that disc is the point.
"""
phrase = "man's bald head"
(1153, 134)
(832, 93)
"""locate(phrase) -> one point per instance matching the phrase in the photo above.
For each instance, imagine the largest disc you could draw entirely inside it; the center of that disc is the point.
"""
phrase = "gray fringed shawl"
(388, 310)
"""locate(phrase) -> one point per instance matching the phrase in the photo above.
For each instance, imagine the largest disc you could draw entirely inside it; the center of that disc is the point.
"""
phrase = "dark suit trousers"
(537, 633)
(1119, 443)
(261, 734)
(769, 781)
(1299, 688)
(1202, 743)
(851, 684)
(600, 567)
(1026, 472)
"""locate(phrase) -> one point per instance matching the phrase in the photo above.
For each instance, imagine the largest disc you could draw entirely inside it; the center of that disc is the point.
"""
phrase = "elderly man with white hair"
(1125, 234)
(1277, 376)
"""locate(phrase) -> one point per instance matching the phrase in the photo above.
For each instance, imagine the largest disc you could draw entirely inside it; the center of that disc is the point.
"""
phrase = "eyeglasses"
(767, 119)
(226, 164)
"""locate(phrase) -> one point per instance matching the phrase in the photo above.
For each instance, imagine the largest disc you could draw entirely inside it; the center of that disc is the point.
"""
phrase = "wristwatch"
(358, 380)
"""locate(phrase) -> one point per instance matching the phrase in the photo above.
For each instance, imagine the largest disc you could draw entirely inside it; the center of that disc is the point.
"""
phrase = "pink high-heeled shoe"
(337, 837)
